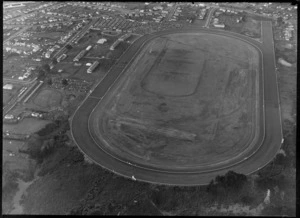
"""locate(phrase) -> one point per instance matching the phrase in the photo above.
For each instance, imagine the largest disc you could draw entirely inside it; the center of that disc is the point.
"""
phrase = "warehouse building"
(93, 67)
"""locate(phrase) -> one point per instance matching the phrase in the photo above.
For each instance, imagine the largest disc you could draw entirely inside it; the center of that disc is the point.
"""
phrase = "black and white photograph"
(149, 108)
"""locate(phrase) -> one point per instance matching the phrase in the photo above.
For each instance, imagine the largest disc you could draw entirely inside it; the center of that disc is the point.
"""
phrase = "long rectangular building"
(93, 67)
(113, 46)
(80, 55)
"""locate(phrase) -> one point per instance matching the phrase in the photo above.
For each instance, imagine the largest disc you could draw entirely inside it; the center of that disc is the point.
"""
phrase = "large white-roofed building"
(8, 87)
(101, 41)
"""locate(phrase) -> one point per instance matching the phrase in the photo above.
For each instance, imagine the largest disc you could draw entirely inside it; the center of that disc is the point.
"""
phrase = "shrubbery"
(40, 146)
(49, 128)
(267, 182)
(231, 181)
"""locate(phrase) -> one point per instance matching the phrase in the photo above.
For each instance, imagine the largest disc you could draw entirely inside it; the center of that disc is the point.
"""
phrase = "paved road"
(268, 140)
(21, 82)
(209, 17)
(171, 12)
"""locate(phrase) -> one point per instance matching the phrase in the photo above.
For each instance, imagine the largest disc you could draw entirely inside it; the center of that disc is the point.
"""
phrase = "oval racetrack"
(268, 139)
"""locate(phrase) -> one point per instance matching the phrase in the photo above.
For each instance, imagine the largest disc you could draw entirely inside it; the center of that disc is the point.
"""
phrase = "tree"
(244, 18)
(48, 129)
(68, 46)
(280, 21)
(247, 199)
(41, 75)
(54, 61)
(46, 68)
(49, 82)
(34, 145)
(64, 82)
(229, 181)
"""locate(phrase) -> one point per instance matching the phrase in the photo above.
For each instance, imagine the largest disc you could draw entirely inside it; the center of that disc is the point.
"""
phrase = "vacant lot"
(188, 102)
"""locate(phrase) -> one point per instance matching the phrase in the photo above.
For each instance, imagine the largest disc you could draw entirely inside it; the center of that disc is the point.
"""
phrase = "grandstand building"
(113, 46)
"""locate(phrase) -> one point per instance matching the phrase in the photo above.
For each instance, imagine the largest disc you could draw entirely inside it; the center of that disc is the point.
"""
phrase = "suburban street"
(209, 17)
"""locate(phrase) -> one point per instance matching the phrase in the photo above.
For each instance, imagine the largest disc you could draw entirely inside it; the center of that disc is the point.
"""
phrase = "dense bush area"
(49, 128)
(44, 142)
(231, 181)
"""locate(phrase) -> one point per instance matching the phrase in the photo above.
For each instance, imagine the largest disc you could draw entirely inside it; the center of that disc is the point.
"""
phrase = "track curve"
(268, 140)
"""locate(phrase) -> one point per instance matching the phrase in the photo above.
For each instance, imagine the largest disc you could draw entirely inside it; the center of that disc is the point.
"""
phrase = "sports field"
(187, 100)
(48, 98)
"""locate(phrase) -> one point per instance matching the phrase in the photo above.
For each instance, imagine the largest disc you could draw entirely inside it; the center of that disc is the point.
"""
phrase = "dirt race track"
(175, 126)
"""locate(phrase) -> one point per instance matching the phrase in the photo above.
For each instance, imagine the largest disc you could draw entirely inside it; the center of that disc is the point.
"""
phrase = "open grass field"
(187, 100)
(26, 126)
(14, 165)
(48, 98)
(17, 162)
(7, 96)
